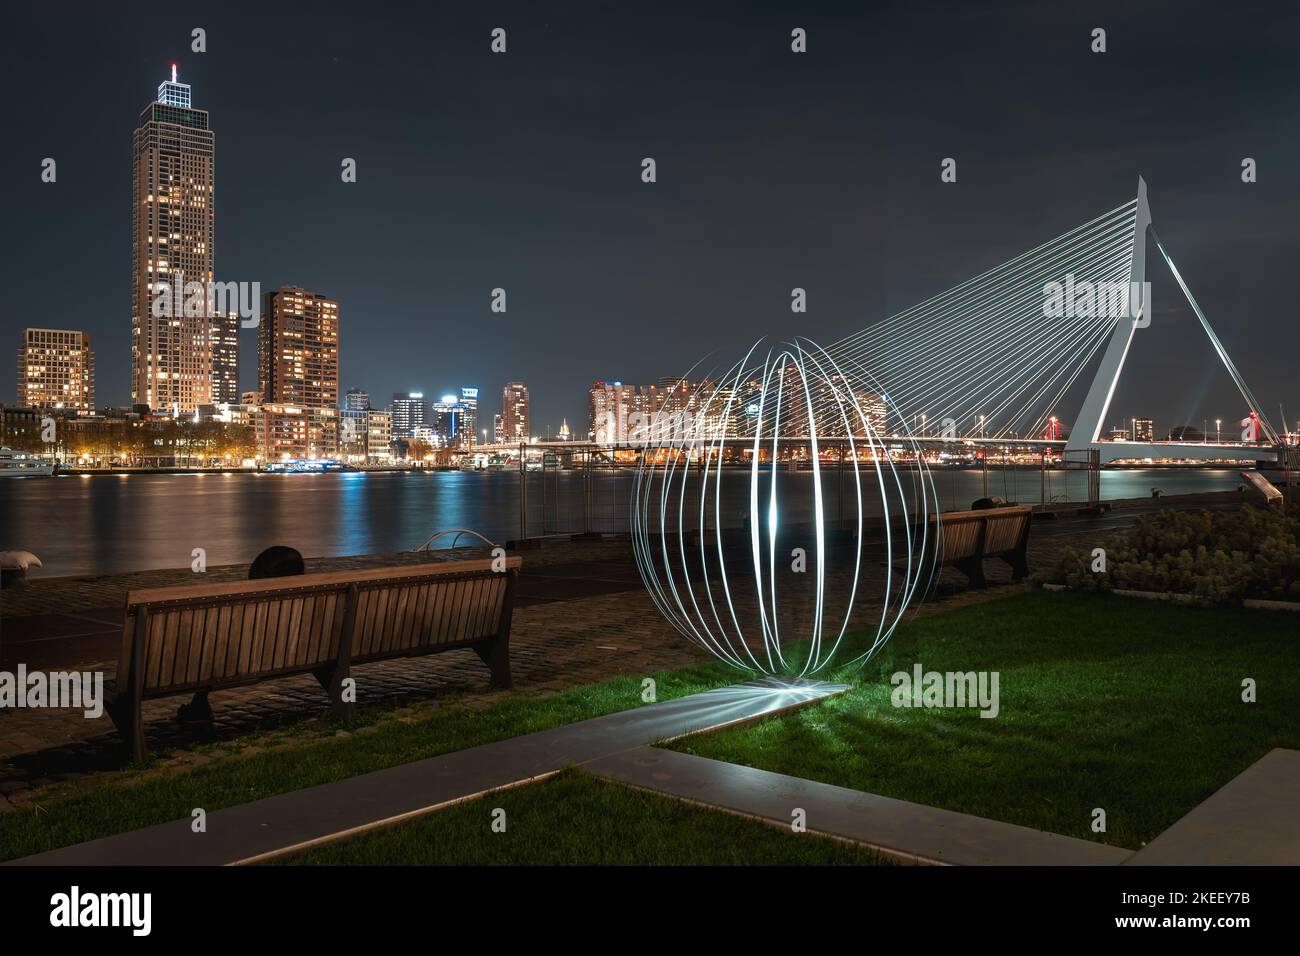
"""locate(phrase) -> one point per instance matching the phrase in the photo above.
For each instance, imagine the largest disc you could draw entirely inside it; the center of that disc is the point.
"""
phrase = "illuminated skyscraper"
(409, 411)
(172, 243)
(223, 341)
(514, 412)
(469, 398)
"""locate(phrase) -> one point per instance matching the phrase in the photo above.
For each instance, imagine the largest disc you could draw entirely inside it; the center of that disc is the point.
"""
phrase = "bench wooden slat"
(162, 634)
(466, 610)
(404, 633)
(446, 608)
(243, 647)
(268, 619)
(420, 620)
(461, 592)
(487, 607)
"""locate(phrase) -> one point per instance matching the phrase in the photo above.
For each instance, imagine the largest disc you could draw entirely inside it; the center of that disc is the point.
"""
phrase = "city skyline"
(632, 285)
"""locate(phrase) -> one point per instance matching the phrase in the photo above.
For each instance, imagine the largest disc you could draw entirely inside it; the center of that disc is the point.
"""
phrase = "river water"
(104, 524)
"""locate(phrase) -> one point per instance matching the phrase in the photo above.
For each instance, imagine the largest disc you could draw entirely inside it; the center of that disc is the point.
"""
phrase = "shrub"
(1220, 557)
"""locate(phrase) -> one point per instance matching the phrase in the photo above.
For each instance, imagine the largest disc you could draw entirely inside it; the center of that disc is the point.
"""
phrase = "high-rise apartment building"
(298, 375)
(469, 398)
(514, 413)
(354, 425)
(607, 413)
(223, 340)
(298, 349)
(408, 412)
(56, 369)
(379, 435)
(172, 243)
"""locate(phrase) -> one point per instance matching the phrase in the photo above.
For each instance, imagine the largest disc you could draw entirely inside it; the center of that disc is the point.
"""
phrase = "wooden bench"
(966, 538)
(210, 637)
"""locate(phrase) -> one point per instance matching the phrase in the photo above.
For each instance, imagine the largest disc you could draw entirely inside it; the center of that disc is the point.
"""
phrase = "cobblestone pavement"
(555, 645)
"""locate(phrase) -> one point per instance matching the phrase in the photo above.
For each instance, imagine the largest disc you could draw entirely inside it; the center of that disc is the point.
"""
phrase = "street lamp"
(1218, 437)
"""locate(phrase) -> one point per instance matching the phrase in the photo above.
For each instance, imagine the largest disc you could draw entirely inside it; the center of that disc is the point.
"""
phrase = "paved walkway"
(1254, 820)
(909, 832)
(265, 829)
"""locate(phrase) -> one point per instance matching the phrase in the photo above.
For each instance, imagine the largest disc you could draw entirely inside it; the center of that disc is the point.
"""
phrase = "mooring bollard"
(14, 565)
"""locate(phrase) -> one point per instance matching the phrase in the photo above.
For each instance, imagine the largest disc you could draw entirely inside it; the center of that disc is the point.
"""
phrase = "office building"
(408, 411)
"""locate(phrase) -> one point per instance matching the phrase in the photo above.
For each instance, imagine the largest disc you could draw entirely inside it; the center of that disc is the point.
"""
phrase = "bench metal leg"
(973, 568)
(125, 708)
(331, 678)
(125, 714)
(197, 711)
(1019, 566)
(495, 652)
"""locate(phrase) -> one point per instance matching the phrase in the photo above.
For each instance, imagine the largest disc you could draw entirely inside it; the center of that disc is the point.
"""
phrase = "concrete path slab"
(906, 831)
(277, 825)
(1253, 820)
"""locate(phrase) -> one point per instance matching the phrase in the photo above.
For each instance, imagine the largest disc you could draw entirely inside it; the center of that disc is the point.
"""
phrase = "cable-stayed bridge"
(995, 356)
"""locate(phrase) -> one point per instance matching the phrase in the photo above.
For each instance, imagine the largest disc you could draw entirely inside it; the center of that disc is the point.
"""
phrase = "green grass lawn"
(124, 804)
(1128, 705)
(574, 818)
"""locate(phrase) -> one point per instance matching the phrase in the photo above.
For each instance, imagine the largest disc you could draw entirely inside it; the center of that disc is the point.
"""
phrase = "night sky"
(775, 170)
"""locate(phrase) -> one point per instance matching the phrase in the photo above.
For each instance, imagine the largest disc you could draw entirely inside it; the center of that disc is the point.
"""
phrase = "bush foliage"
(1219, 557)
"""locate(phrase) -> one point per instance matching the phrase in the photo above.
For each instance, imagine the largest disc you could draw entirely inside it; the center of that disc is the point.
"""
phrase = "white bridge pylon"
(1086, 433)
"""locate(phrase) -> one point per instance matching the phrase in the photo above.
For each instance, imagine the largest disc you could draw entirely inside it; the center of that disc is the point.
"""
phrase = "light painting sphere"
(783, 516)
